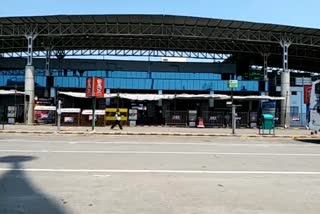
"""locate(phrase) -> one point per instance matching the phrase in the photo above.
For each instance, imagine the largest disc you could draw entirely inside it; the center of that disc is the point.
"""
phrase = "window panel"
(1, 81)
(179, 84)
(148, 84)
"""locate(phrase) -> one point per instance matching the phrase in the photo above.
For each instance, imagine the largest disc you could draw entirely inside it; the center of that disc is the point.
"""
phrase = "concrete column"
(285, 85)
(285, 104)
(160, 101)
(265, 72)
(29, 81)
(29, 90)
(211, 100)
(108, 100)
(48, 74)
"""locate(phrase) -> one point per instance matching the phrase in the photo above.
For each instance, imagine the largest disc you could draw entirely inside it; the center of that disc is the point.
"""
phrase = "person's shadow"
(17, 193)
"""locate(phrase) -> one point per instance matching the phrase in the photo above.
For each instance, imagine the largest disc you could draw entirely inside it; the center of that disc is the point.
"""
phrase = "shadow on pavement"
(313, 141)
(19, 195)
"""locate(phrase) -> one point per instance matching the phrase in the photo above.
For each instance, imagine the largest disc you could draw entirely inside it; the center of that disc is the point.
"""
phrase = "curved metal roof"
(158, 19)
(158, 32)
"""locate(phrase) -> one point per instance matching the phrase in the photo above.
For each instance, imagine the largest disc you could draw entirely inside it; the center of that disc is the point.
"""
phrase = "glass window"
(40, 81)
(109, 83)
(148, 84)
(158, 84)
(1, 81)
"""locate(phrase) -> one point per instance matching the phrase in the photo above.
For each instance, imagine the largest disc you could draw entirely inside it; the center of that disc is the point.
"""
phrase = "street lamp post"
(233, 84)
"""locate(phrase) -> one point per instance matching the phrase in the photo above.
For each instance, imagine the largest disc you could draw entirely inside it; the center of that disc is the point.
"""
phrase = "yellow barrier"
(110, 115)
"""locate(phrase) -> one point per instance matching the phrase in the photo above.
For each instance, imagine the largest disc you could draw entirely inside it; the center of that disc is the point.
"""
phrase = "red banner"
(95, 87)
(89, 87)
(307, 93)
(99, 87)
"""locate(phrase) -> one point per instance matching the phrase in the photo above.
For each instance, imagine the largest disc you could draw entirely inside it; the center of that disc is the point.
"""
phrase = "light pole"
(233, 84)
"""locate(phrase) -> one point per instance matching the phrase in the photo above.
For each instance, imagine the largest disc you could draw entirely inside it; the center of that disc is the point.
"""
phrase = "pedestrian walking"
(117, 120)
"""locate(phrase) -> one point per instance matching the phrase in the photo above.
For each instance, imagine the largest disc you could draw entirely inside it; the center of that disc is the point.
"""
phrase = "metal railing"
(242, 119)
(213, 119)
(176, 118)
(210, 118)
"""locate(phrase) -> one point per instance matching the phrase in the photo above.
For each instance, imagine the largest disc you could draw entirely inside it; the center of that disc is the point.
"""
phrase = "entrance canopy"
(155, 97)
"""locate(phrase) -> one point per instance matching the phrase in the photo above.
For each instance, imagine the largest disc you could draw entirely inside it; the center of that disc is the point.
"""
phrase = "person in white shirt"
(117, 120)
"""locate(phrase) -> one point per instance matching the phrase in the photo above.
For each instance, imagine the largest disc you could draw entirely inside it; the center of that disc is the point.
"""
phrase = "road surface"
(136, 174)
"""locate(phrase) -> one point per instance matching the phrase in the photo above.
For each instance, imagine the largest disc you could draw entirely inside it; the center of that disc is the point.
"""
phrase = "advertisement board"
(307, 92)
(43, 101)
(95, 87)
(133, 114)
(12, 111)
(89, 87)
(68, 120)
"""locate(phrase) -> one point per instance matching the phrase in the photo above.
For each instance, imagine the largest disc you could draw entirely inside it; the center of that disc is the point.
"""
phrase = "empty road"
(137, 174)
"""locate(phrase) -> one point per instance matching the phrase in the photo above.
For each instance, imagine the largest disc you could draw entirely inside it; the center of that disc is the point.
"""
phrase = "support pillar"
(265, 81)
(108, 100)
(29, 81)
(60, 56)
(160, 100)
(285, 85)
(29, 91)
(30, 37)
(265, 72)
(48, 74)
(211, 100)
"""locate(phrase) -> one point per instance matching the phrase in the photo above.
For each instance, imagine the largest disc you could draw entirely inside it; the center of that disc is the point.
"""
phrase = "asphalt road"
(136, 174)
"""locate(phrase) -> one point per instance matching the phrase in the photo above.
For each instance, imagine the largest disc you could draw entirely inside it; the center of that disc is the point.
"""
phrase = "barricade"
(176, 118)
(213, 119)
(242, 119)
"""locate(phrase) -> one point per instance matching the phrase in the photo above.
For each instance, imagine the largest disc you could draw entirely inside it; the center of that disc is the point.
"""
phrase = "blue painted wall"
(136, 80)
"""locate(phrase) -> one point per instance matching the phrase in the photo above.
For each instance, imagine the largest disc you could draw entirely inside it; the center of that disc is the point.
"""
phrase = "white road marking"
(102, 176)
(29, 141)
(164, 143)
(192, 144)
(164, 171)
(162, 153)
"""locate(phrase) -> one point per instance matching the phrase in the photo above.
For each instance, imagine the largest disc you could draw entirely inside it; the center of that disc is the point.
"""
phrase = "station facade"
(151, 77)
(37, 57)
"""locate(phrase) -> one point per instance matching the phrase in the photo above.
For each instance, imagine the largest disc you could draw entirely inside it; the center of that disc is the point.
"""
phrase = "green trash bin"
(267, 123)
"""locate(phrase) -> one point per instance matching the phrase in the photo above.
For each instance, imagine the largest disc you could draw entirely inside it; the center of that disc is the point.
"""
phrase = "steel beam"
(30, 38)
(155, 30)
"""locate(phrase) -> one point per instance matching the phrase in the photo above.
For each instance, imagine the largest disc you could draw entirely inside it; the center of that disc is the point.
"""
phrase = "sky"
(304, 13)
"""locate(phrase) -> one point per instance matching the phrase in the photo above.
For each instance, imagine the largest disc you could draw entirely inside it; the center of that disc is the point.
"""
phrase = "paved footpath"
(153, 130)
